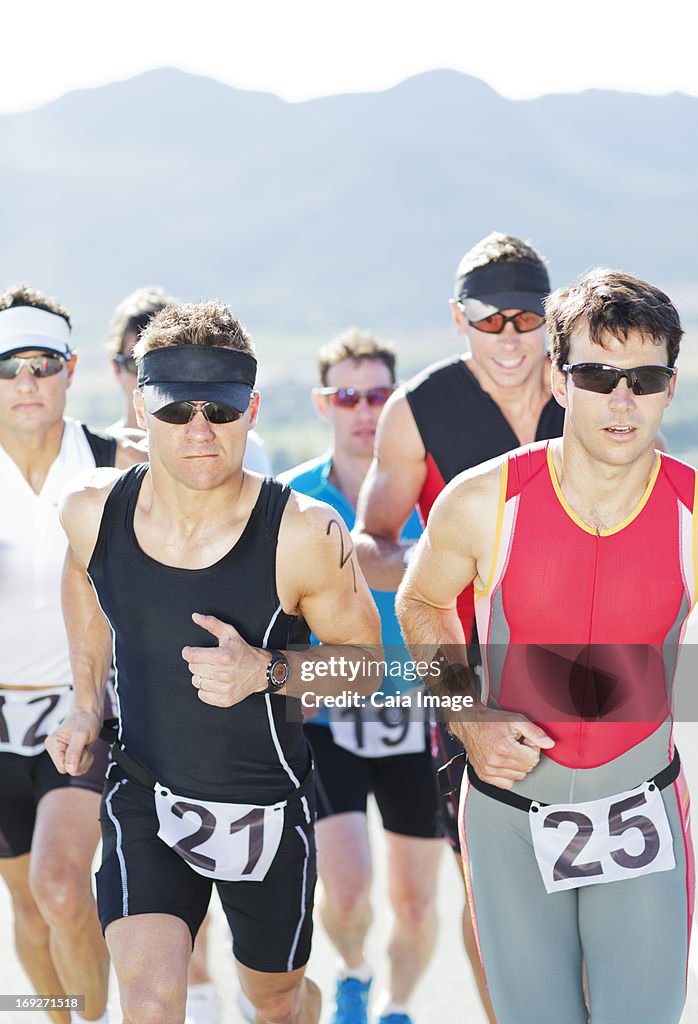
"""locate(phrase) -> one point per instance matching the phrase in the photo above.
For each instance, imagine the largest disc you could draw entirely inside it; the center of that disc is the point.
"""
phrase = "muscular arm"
(326, 586)
(388, 495)
(459, 537)
(88, 633)
(456, 548)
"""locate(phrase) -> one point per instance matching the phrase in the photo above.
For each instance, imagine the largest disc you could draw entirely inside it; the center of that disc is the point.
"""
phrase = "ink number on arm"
(344, 556)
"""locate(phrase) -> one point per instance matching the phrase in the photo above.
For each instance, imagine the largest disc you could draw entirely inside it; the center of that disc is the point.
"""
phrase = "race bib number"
(622, 836)
(27, 718)
(379, 732)
(228, 842)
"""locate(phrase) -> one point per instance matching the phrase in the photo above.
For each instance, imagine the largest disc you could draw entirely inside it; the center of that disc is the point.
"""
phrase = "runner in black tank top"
(250, 752)
(455, 415)
(462, 426)
(206, 575)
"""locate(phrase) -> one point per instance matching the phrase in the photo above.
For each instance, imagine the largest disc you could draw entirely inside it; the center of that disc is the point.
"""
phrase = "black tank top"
(248, 753)
(460, 424)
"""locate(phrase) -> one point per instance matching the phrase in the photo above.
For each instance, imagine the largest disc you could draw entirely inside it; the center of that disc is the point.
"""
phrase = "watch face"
(279, 671)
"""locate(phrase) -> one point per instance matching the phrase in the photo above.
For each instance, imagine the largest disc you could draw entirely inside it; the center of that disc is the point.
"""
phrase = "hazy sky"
(304, 48)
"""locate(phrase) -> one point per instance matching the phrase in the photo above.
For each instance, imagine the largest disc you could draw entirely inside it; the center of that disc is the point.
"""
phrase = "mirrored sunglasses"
(180, 413)
(349, 398)
(523, 322)
(39, 366)
(603, 379)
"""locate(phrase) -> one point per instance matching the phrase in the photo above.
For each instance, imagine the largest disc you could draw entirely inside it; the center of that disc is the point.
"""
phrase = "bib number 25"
(602, 840)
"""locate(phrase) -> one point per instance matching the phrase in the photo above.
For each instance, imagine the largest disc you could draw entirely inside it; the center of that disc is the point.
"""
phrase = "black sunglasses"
(38, 366)
(180, 413)
(603, 379)
(127, 363)
(523, 322)
(349, 398)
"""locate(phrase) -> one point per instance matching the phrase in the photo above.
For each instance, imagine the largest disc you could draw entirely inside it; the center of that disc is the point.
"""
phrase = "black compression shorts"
(271, 920)
(25, 780)
(404, 785)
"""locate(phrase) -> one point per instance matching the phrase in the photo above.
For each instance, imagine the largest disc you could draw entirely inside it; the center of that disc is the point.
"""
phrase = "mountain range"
(347, 209)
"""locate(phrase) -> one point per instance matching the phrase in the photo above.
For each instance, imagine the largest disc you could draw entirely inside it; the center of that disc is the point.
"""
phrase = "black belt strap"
(522, 803)
(136, 771)
(109, 733)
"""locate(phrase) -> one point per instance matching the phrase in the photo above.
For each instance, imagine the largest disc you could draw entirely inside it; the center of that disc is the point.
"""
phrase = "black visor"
(196, 373)
(506, 284)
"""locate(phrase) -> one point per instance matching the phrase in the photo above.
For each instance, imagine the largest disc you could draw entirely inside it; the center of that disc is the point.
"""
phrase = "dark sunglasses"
(127, 363)
(180, 413)
(523, 322)
(349, 398)
(602, 379)
(38, 366)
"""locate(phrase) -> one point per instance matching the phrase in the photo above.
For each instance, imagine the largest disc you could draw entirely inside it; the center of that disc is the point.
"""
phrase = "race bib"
(379, 732)
(228, 842)
(621, 836)
(28, 717)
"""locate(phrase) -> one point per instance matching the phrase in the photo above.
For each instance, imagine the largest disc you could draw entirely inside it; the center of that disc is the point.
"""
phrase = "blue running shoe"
(351, 997)
(395, 1018)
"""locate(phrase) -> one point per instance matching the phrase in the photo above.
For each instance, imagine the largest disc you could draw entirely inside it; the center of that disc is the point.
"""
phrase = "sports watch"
(277, 671)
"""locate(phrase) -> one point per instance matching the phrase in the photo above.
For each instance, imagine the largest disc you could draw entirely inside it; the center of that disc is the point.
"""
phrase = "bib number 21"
(228, 842)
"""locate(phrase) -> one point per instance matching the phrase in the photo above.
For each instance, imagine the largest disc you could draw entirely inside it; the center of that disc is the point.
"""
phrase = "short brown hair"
(611, 302)
(133, 314)
(496, 248)
(194, 323)
(23, 295)
(357, 345)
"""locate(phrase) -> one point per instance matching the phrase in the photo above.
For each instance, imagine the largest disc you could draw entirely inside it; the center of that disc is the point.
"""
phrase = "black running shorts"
(271, 920)
(404, 785)
(25, 780)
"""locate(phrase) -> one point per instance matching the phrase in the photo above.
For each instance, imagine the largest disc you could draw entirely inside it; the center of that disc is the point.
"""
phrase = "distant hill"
(349, 209)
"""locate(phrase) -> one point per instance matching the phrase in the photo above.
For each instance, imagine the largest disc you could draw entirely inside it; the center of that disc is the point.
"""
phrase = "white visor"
(25, 327)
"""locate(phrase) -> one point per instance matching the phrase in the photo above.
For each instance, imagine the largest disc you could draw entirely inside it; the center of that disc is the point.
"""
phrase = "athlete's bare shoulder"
(316, 555)
(476, 487)
(397, 432)
(465, 513)
(81, 507)
(306, 520)
(318, 574)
